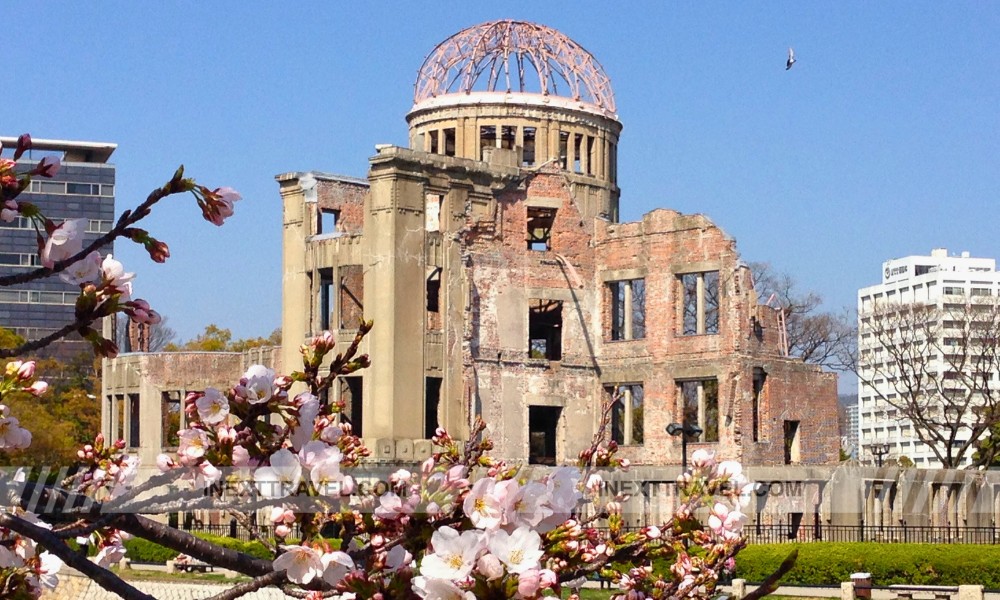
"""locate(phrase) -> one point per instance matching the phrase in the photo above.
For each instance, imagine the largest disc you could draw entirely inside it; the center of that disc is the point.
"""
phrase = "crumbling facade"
(490, 256)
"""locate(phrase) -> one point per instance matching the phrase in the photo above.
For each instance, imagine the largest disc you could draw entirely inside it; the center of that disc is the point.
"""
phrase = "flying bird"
(791, 59)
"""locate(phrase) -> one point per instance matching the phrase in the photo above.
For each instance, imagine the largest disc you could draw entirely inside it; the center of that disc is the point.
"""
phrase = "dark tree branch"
(272, 578)
(104, 578)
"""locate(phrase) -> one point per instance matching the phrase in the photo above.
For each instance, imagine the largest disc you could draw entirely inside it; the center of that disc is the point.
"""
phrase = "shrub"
(144, 551)
(829, 563)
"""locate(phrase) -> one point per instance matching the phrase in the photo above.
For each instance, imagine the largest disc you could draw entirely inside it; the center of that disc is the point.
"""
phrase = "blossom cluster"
(24, 565)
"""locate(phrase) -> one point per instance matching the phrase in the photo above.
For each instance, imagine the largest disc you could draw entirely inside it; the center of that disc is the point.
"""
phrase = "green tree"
(218, 339)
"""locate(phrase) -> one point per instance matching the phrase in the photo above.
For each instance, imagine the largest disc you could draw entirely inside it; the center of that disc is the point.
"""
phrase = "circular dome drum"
(514, 57)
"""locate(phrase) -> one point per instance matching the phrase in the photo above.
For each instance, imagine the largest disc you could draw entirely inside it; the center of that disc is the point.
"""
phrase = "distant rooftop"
(87, 152)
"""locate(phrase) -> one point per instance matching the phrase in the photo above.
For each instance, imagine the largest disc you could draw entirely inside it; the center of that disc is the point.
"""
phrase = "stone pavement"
(76, 587)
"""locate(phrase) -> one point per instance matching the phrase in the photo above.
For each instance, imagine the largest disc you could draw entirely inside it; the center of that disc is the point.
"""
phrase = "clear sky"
(881, 142)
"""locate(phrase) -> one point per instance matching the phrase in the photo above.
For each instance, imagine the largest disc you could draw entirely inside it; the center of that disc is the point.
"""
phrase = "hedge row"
(829, 563)
(140, 550)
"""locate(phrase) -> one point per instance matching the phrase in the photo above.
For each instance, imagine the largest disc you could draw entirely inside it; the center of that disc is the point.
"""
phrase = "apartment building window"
(700, 298)
(627, 301)
(952, 291)
(540, 222)
(700, 403)
(981, 291)
(545, 329)
(626, 413)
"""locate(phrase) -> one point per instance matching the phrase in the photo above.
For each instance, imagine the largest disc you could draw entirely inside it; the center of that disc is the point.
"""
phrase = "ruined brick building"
(491, 257)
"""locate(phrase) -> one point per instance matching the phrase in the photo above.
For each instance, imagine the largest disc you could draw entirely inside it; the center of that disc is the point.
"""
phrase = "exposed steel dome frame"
(500, 56)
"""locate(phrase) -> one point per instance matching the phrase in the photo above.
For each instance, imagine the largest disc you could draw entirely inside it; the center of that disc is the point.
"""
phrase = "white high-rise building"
(893, 347)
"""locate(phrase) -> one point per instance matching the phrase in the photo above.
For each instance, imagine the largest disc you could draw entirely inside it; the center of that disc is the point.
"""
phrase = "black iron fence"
(234, 530)
(771, 534)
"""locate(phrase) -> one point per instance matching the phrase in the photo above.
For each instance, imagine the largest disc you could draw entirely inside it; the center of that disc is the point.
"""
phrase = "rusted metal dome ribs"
(514, 57)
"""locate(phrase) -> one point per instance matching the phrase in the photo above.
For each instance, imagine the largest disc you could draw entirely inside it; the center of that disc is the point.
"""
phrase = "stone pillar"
(296, 294)
(739, 589)
(846, 590)
(970, 592)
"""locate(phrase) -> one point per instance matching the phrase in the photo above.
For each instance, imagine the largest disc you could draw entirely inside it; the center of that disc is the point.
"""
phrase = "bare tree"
(814, 336)
(935, 367)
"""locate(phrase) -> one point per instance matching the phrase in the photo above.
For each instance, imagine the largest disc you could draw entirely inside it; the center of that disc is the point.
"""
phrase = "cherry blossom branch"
(45, 341)
(771, 583)
(193, 546)
(176, 185)
(104, 578)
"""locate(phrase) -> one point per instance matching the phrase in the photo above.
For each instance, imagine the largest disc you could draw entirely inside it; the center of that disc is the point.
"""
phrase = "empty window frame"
(449, 141)
(487, 139)
(432, 400)
(627, 414)
(170, 418)
(627, 300)
(433, 295)
(700, 299)
(563, 148)
(543, 425)
(578, 147)
(326, 299)
(133, 421)
(545, 329)
(793, 443)
(540, 221)
(351, 296)
(759, 379)
(329, 220)
(352, 399)
(508, 136)
(700, 399)
(528, 150)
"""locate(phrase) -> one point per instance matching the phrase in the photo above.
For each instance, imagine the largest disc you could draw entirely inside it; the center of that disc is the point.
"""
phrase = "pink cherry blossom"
(301, 564)
(65, 241)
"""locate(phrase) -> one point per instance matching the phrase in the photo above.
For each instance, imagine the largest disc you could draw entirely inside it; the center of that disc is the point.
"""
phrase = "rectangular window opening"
(352, 295)
(170, 418)
(432, 401)
(449, 141)
(793, 443)
(133, 421)
(700, 303)
(487, 139)
(577, 156)
(433, 293)
(590, 155)
(329, 220)
(508, 135)
(701, 408)
(540, 221)
(759, 378)
(326, 299)
(545, 329)
(352, 397)
(543, 425)
(434, 141)
(528, 151)
(627, 414)
(563, 148)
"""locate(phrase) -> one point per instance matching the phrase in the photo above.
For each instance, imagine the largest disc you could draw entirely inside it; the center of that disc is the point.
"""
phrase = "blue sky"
(881, 142)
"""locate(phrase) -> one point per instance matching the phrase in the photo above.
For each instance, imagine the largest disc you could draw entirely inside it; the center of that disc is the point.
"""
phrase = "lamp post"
(684, 430)
(879, 450)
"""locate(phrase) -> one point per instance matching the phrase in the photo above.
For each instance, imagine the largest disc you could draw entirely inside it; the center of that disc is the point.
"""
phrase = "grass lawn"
(151, 575)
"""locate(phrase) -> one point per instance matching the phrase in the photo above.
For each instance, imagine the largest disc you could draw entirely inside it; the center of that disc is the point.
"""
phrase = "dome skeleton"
(485, 54)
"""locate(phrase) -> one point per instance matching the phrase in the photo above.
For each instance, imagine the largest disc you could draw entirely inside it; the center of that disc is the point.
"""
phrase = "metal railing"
(923, 534)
